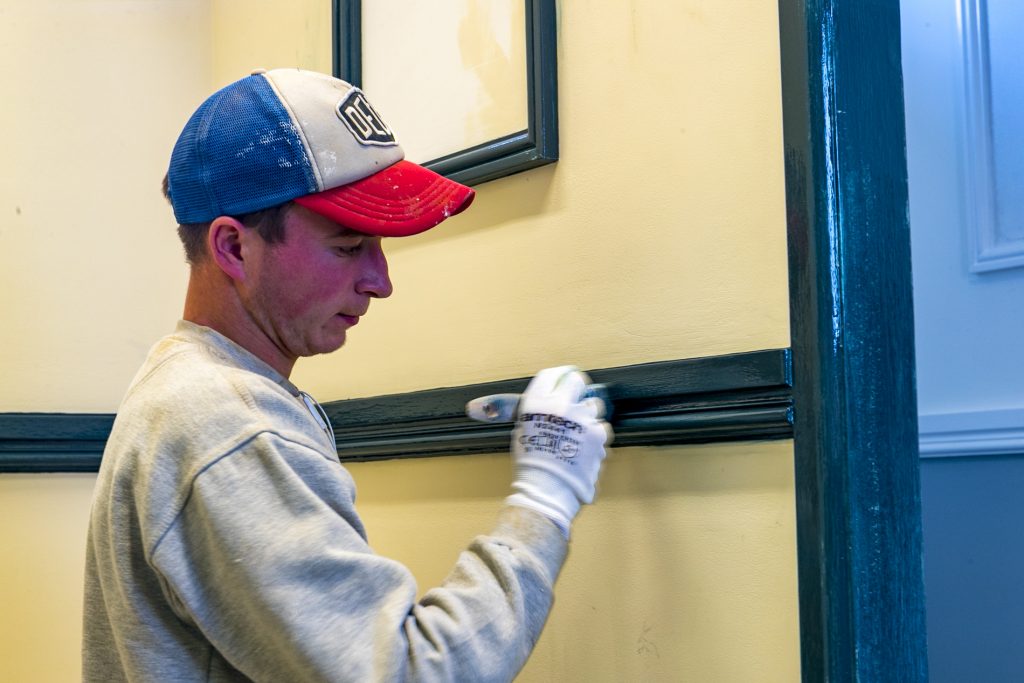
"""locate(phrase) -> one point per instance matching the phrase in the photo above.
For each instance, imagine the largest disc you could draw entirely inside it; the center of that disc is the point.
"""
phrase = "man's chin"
(330, 345)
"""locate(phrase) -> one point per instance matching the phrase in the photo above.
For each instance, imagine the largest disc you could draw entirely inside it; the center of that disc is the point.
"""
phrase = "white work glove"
(558, 445)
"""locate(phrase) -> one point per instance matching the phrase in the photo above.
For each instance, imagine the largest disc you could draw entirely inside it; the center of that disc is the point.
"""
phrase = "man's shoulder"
(189, 407)
(185, 378)
(199, 402)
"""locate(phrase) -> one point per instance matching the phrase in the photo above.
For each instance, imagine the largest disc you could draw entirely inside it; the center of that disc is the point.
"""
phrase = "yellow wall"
(659, 234)
(43, 523)
(90, 268)
(683, 569)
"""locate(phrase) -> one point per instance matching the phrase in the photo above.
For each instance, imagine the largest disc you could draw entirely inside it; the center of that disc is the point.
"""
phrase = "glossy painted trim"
(855, 428)
(721, 398)
(53, 442)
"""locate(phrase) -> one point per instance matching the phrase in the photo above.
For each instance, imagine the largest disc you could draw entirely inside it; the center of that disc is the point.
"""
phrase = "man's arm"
(267, 562)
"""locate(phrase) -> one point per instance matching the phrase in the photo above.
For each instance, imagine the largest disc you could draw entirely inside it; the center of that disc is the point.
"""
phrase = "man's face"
(306, 292)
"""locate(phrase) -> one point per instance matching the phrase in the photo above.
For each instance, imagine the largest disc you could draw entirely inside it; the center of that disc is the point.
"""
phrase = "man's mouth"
(350, 319)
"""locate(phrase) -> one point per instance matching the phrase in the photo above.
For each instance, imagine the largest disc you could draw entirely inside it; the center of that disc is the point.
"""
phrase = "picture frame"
(505, 154)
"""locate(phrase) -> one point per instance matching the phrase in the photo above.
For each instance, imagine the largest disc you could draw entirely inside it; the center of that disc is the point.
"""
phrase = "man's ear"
(224, 244)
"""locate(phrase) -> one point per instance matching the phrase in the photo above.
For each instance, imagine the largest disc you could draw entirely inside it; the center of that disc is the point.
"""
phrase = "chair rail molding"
(736, 397)
(972, 433)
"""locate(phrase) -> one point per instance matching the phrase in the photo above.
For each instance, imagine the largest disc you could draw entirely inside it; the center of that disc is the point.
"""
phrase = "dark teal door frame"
(855, 429)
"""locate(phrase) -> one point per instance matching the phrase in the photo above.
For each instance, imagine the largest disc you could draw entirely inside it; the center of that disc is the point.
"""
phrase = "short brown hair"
(268, 223)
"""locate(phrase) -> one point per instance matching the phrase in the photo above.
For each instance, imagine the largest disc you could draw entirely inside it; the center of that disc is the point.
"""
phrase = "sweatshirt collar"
(232, 352)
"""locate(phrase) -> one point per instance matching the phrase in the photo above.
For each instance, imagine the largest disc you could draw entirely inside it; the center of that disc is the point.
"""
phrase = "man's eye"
(349, 250)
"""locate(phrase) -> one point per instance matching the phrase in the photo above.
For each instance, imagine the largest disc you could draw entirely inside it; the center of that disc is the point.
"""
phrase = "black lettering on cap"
(364, 121)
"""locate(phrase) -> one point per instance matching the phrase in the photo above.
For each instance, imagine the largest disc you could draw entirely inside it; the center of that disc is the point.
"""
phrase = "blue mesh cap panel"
(240, 152)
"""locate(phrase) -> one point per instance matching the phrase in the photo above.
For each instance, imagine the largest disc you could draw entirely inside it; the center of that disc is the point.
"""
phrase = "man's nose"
(375, 281)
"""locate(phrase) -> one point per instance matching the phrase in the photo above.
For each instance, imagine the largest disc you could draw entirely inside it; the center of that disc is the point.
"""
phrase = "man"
(224, 544)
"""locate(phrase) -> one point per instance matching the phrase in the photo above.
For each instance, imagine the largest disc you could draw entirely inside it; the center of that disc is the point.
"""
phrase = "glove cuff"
(547, 494)
(556, 517)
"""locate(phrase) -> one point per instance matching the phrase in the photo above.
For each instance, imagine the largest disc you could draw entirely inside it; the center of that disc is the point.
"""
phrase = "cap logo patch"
(364, 121)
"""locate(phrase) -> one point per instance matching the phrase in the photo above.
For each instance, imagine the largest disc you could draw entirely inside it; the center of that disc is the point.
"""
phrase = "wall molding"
(720, 398)
(990, 249)
(972, 433)
(53, 442)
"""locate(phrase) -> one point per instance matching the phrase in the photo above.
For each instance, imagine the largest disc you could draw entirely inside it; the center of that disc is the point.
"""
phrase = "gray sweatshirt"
(224, 545)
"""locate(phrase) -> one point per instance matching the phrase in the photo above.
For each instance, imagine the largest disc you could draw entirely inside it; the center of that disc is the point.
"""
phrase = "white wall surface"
(969, 328)
(969, 325)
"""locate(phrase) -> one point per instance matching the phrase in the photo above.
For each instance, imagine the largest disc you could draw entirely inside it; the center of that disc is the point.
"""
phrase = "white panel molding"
(972, 433)
(990, 249)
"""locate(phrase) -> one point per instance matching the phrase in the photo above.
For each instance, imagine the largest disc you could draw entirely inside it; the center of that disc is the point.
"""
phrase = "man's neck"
(216, 305)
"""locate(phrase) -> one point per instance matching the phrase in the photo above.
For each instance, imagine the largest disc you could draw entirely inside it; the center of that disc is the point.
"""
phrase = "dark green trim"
(856, 449)
(512, 153)
(722, 398)
(52, 442)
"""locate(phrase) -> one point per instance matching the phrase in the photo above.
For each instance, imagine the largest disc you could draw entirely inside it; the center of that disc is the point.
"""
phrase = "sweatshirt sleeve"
(267, 559)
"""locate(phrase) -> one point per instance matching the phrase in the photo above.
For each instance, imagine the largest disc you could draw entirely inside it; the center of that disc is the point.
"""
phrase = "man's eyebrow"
(342, 232)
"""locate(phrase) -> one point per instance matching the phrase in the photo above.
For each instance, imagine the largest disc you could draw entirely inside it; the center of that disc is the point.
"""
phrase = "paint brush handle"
(503, 407)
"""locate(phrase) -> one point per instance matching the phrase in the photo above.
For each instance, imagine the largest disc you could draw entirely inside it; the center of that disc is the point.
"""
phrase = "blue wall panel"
(972, 513)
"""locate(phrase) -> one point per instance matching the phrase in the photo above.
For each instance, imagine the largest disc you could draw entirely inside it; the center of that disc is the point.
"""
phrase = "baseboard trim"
(733, 397)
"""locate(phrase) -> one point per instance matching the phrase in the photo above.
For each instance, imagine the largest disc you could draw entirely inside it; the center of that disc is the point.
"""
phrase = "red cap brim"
(403, 199)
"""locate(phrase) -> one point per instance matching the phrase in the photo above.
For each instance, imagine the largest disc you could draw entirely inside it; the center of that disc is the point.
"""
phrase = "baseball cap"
(288, 134)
